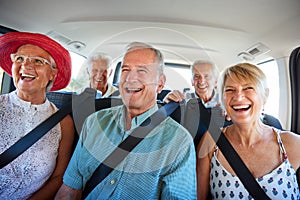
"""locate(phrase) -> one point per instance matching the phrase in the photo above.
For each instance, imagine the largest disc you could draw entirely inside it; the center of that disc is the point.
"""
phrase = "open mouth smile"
(241, 107)
(27, 77)
(133, 90)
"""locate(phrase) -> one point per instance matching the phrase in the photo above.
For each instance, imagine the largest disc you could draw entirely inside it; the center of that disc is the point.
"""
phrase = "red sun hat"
(10, 42)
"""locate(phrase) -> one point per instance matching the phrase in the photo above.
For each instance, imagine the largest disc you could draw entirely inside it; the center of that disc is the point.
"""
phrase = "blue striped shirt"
(162, 166)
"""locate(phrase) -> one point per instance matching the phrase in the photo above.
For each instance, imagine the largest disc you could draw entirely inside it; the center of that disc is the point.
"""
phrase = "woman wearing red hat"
(37, 64)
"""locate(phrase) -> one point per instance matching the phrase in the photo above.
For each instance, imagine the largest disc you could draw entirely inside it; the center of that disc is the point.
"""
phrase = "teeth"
(241, 107)
(202, 86)
(133, 89)
(27, 76)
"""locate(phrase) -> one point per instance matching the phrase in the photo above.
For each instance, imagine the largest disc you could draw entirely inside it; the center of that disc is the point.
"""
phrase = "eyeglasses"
(35, 60)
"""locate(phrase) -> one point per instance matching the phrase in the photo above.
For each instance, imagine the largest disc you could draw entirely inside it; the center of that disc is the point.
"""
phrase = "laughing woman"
(272, 156)
(37, 64)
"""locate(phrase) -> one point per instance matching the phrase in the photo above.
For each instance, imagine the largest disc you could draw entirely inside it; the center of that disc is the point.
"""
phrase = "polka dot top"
(279, 184)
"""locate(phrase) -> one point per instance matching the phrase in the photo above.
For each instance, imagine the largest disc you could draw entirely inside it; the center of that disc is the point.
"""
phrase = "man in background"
(98, 66)
(204, 81)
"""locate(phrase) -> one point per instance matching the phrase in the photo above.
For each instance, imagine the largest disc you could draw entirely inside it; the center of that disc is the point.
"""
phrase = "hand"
(175, 96)
(227, 117)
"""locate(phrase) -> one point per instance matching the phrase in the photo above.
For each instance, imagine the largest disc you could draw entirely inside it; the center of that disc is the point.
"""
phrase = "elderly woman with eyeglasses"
(37, 64)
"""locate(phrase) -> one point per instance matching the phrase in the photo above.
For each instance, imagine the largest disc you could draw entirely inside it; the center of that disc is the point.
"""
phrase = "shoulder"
(105, 114)
(4, 100)
(291, 143)
(67, 127)
(171, 131)
(174, 125)
(7, 97)
(3, 96)
(206, 146)
(67, 121)
(290, 139)
(178, 138)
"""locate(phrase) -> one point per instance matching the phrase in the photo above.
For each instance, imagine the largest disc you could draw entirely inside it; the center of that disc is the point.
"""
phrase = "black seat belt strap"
(241, 169)
(127, 145)
(34, 135)
(233, 158)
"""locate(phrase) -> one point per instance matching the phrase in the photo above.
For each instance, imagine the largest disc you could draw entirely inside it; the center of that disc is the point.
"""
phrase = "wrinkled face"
(204, 80)
(29, 77)
(140, 81)
(242, 101)
(99, 73)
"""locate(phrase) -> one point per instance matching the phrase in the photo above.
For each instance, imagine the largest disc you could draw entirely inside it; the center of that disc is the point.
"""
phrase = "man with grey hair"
(98, 66)
(204, 80)
(161, 166)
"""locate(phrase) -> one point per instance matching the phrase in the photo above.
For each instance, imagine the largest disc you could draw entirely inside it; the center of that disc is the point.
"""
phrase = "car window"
(77, 80)
(270, 69)
(178, 77)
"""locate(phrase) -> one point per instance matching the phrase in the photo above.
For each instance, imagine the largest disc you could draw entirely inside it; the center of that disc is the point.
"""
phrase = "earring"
(263, 111)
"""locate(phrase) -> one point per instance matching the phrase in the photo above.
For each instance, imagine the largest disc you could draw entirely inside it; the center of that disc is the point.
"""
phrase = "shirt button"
(112, 182)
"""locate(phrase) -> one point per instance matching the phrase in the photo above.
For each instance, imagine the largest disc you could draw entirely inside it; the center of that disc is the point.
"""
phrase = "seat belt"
(127, 145)
(241, 169)
(35, 134)
(234, 159)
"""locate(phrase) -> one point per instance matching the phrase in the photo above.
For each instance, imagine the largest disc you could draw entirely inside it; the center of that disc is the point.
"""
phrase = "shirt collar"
(136, 121)
(211, 103)
(28, 105)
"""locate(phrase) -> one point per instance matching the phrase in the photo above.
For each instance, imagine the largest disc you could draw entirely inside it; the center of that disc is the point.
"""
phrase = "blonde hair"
(244, 71)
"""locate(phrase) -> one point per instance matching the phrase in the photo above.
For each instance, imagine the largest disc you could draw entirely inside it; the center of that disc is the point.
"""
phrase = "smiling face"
(140, 80)
(99, 74)
(31, 80)
(204, 80)
(242, 101)
(244, 91)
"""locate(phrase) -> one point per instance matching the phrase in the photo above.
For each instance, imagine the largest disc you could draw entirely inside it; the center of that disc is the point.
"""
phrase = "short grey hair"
(97, 56)
(53, 67)
(158, 54)
(214, 66)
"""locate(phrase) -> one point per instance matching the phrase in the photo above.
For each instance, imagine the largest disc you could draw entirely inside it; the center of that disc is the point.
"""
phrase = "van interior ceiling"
(226, 32)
